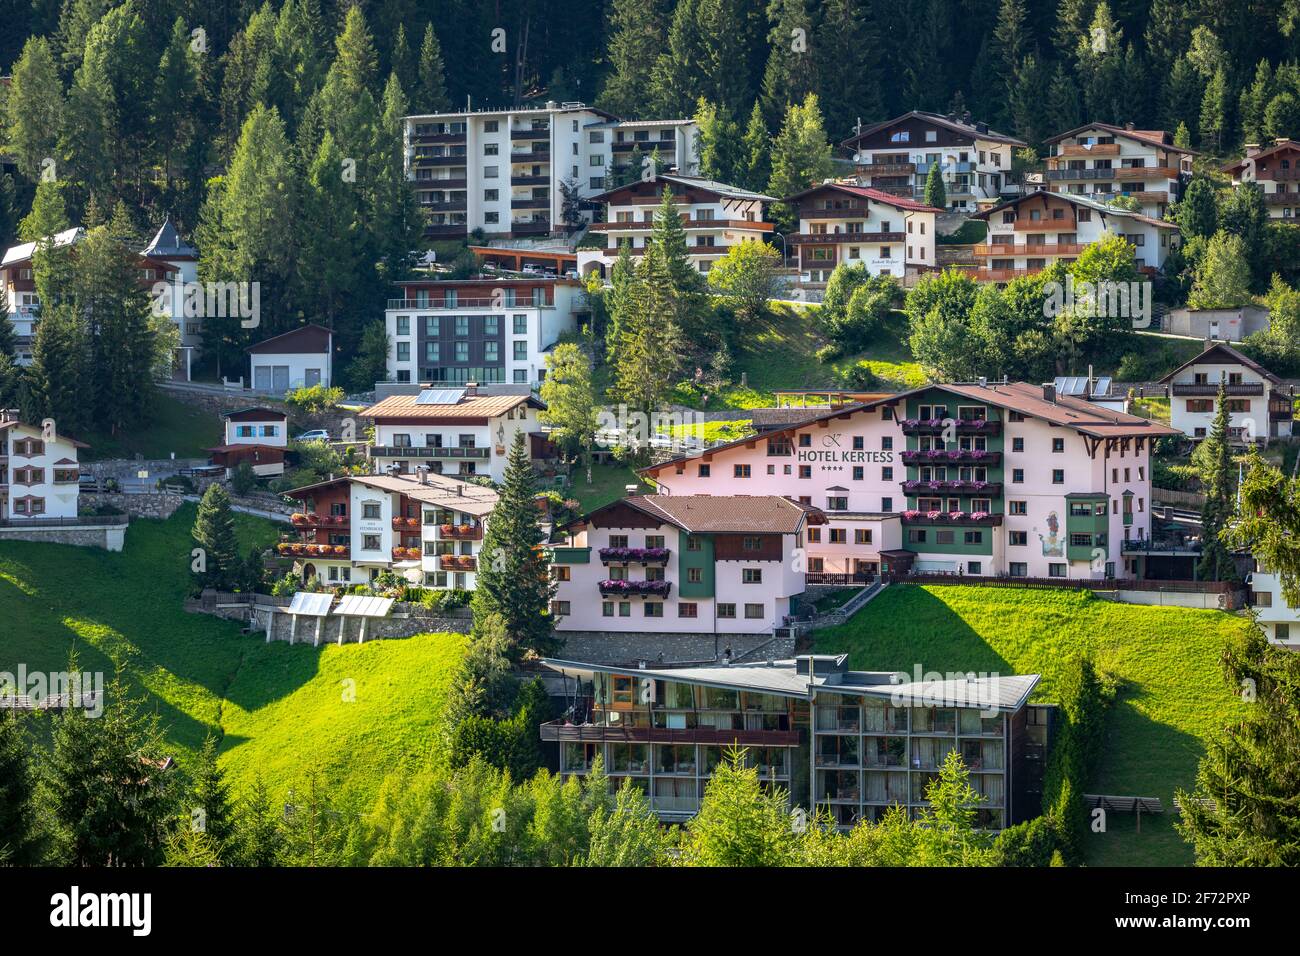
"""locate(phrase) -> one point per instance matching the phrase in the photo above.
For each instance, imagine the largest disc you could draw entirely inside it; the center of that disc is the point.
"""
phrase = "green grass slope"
(351, 712)
(1172, 697)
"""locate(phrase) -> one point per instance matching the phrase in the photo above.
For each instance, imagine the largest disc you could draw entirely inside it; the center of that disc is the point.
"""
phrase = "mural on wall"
(1053, 542)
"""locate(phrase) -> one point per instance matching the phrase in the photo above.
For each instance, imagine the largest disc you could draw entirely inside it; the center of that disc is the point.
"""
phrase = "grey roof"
(995, 692)
(764, 418)
(167, 243)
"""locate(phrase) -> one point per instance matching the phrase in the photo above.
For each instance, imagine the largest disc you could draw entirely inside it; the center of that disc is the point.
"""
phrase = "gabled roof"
(1220, 353)
(1078, 201)
(938, 119)
(1148, 137)
(68, 439)
(256, 413)
(725, 190)
(437, 490)
(866, 192)
(478, 406)
(305, 340)
(23, 252)
(167, 244)
(717, 514)
(1262, 154)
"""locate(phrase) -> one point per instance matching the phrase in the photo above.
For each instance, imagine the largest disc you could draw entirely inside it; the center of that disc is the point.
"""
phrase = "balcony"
(562, 731)
(440, 159)
(443, 184)
(531, 202)
(543, 132)
(457, 562)
(454, 205)
(687, 223)
(423, 451)
(982, 519)
(830, 238)
(964, 426)
(887, 169)
(442, 305)
(530, 156)
(1094, 149)
(1002, 275)
(531, 227)
(405, 524)
(461, 532)
(646, 146)
(990, 488)
(299, 549)
(622, 588)
(649, 556)
(1209, 390)
(1038, 249)
(530, 180)
(407, 554)
(1065, 224)
(450, 137)
(1282, 199)
(457, 230)
(955, 455)
(311, 519)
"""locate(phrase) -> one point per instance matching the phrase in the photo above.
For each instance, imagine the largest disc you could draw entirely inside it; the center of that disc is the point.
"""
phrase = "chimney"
(471, 389)
(1129, 127)
(1281, 140)
(1252, 149)
(1091, 381)
(1049, 393)
(460, 491)
(965, 117)
(631, 491)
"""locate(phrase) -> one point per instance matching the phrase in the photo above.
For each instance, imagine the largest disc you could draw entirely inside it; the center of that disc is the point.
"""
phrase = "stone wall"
(405, 620)
(123, 468)
(138, 506)
(110, 537)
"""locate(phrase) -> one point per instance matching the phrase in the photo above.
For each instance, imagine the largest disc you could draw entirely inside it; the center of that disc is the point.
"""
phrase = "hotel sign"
(838, 450)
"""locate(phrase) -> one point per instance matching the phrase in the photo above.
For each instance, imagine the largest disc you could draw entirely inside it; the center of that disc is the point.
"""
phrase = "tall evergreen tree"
(18, 839)
(34, 108)
(214, 533)
(513, 577)
(1216, 562)
(754, 170)
(792, 68)
(430, 92)
(636, 30)
(800, 157)
(210, 794)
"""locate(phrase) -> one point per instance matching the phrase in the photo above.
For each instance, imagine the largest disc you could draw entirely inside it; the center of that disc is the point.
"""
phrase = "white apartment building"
(425, 527)
(1029, 233)
(1102, 161)
(501, 170)
(39, 472)
(1259, 403)
(489, 330)
(18, 283)
(256, 435)
(716, 217)
(451, 431)
(890, 234)
(895, 157)
(1276, 169)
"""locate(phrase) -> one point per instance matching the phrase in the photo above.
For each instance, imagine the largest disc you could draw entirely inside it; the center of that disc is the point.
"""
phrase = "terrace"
(625, 588)
(983, 519)
(649, 556)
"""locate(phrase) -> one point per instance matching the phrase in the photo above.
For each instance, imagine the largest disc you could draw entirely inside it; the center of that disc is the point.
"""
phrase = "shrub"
(1032, 843)
(243, 479)
(314, 398)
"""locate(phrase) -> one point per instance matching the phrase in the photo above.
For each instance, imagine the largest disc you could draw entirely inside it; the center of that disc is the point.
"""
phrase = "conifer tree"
(513, 576)
(34, 108)
(18, 840)
(636, 30)
(755, 168)
(791, 69)
(430, 94)
(801, 156)
(214, 532)
(210, 794)
(935, 194)
(1216, 562)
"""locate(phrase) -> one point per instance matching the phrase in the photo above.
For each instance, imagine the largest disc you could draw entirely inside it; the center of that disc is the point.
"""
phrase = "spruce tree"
(214, 532)
(210, 794)
(801, 156)
(755, 167)
(18, 843)
(513, 576)
(430, 95)
(34, 108)
(636, 37)
(1216, 562)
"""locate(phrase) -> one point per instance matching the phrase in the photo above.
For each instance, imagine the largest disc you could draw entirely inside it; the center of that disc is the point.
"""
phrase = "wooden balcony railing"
(1095, 149)
(457, 562)
(1041, 249)
(834, 238)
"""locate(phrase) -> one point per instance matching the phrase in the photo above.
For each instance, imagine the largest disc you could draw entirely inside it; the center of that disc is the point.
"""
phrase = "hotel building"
(1101, 162)
(895, 157)
(39, 473)
(681, 564)
(451, 431)
(973, 479)
(489, 330)
(500, 171)
(853, 743)
(1030, 233)
(1276, 169)
(1259, 403)
(715, 216)
(425, 527)
(839, 223)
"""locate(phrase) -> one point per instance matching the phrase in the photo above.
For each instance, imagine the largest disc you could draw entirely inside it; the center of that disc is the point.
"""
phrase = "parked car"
(316, 434)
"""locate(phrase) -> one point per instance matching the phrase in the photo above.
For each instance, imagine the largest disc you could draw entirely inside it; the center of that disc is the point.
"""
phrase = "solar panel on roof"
(310, 602)
(440, 396)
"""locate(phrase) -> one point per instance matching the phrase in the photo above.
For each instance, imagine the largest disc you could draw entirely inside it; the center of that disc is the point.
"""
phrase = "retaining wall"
(110, 537)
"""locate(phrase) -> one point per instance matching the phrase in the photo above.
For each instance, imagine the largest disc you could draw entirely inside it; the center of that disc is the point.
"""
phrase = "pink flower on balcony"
(911, 514)
(980, 515)
(957, 515)
(978, 453)
(934, 515)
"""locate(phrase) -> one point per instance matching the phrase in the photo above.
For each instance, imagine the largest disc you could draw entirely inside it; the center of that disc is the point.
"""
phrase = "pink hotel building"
(972, 479)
